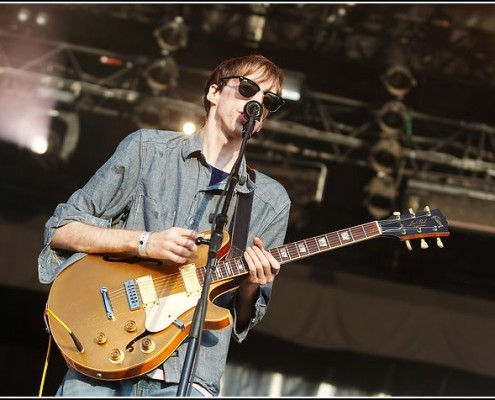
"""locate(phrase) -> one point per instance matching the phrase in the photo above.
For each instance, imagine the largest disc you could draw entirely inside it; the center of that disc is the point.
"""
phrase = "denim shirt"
(160, 179)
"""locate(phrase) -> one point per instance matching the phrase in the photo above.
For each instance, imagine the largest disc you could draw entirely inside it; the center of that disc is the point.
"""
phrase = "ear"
(213, 93)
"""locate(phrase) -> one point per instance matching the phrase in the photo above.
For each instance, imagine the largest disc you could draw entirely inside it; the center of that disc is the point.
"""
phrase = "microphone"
(253, 109)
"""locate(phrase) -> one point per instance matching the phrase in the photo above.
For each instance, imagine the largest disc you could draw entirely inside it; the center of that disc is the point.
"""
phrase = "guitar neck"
(286, 253)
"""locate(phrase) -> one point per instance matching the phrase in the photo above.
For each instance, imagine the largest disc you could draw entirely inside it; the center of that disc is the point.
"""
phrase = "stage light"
(293, 85)
(60, 136)
(385, 155)
(42, 129)
(42, 18)
(162, 74)
(392, 118)
(23, 15)
(172, 35)
(189, 128)
(39, 144)
(381, 196)
(398, 80)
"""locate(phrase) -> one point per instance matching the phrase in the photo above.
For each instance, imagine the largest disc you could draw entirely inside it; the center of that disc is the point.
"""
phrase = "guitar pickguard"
(168, 309)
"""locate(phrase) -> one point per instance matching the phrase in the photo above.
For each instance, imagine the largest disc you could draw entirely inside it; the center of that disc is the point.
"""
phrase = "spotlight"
(39, 144)
(162, 74)
(42, 18)
(173, 35)
(189, 123)
(23, 14)
(61, 137)
(392, 118)
(385, 155)
(398, 80)
(381, 196)
(189, 127)
(293, 85)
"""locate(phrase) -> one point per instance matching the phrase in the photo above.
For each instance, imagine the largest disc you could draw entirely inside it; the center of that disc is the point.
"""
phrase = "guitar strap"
(242, 217)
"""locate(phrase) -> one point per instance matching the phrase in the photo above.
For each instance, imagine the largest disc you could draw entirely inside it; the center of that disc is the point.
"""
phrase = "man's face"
(228, 104)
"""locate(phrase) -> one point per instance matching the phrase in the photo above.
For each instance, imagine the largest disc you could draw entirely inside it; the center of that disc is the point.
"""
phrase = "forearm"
(247, 295)
(80, 237)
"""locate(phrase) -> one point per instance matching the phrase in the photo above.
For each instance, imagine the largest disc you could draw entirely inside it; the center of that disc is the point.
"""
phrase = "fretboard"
(286, 253)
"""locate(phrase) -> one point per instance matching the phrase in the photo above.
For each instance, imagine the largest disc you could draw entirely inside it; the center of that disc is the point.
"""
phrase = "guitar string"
(292, 250)
(160, 284)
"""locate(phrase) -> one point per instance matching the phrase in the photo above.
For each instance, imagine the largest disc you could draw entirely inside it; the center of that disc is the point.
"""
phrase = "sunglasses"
(248, 88)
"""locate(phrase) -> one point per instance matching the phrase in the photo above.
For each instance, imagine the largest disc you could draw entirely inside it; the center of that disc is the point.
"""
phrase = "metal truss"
(438, 150)
(321, 128)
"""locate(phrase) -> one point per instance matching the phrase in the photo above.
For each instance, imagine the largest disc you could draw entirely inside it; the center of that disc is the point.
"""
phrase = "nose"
(258, 96)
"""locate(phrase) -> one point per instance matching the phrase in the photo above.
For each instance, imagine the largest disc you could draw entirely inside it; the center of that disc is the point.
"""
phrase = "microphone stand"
(215, 243)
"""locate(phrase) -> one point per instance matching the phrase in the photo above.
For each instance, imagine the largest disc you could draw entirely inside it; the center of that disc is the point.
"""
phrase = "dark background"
(342, 51)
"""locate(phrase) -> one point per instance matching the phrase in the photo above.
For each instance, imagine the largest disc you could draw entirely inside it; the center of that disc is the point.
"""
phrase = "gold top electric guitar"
(114, 319)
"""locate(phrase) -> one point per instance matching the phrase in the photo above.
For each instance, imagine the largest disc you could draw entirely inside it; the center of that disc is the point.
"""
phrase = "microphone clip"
(253, 109)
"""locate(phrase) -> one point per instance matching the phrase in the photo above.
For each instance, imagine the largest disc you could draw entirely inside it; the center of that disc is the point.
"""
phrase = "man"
(153, 197)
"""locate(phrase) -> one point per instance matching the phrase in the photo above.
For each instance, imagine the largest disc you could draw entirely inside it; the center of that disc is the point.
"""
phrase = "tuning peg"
(424, 245)
(411, 211)
(439, 243)
(427, 209)
(408, 245)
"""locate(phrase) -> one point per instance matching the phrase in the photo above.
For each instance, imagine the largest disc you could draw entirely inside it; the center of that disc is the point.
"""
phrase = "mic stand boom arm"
(215, 243)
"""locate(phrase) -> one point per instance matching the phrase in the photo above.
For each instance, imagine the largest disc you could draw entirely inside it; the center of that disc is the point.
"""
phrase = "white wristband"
(143, 241)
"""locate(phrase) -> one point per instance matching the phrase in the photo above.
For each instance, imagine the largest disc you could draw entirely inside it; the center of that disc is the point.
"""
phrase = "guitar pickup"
(132, 295)
(190, 279)
(147, 291)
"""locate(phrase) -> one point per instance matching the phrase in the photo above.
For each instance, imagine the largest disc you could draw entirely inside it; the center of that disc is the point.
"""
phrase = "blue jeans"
(76, 384)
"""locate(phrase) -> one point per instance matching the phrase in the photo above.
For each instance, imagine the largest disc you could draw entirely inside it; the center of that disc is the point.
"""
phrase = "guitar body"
(121, 345)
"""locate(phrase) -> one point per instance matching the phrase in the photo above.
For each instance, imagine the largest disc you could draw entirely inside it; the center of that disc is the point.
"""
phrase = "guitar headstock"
(425, 224)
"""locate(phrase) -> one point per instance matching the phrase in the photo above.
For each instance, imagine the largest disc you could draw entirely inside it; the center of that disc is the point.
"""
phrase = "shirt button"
(191, 221)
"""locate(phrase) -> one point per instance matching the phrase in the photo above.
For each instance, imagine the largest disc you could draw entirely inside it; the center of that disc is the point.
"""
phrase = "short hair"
(244, 65)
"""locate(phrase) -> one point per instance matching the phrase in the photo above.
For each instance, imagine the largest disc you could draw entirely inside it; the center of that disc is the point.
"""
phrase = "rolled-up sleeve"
(52, 261)
(260, 308)
(105, 195)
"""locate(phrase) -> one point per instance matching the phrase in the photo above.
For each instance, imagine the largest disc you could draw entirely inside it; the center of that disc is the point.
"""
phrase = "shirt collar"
(193, 146)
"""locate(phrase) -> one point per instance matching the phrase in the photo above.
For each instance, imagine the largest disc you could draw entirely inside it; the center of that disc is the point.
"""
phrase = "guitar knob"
(147, 345)
(439, 243)
(116, 356)
(101, 338)
(424, 245)
(408, 245)
(130, 326)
